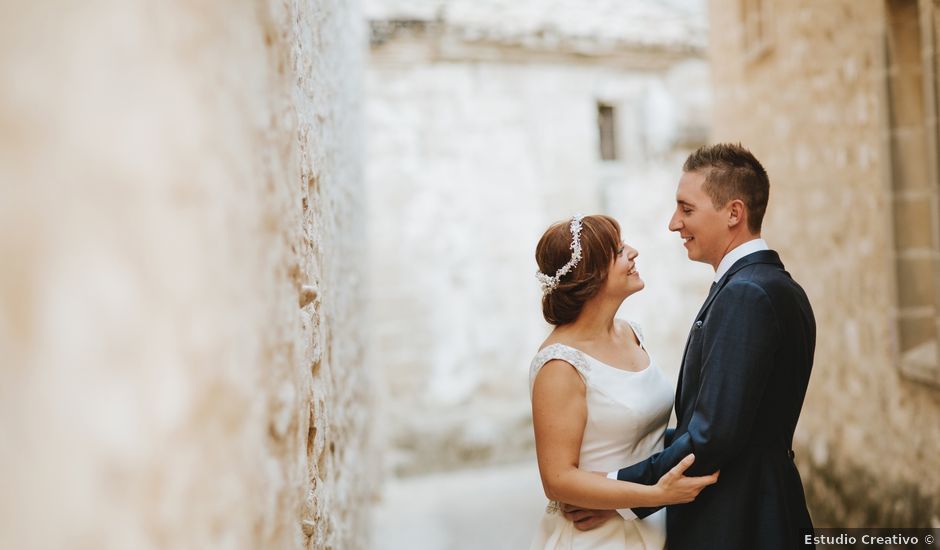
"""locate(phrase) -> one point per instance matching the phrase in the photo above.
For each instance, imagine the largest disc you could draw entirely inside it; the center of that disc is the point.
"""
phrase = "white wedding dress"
(627, 413)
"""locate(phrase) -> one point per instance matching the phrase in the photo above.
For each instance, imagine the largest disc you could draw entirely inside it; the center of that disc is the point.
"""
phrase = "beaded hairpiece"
(549, 283)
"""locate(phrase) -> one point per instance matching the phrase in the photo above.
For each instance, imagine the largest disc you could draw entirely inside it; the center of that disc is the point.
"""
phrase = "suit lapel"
(760, 257)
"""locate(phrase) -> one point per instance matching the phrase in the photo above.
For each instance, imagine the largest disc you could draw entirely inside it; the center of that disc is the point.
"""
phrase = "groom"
(744, 372)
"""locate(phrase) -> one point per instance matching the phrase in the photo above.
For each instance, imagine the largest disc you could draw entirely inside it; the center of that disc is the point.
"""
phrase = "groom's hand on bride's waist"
(585, 520)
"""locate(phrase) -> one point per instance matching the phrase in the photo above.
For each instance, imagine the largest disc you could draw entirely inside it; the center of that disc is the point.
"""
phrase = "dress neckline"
(608, 365)
(636, 335)
(649, 358)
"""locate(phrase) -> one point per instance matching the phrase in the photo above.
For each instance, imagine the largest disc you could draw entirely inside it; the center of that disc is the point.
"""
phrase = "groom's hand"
(585, 520)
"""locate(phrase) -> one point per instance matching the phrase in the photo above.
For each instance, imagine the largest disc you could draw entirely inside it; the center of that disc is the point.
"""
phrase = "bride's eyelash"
(620, 250)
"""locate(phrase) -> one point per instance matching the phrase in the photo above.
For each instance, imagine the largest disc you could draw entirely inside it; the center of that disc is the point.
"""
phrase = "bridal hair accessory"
(549, 283)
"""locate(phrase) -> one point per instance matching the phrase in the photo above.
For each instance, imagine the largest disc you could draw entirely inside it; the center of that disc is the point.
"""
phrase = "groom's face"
(703, 228)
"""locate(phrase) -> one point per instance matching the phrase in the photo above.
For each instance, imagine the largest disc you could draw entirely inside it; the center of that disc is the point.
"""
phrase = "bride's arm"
(559, 414)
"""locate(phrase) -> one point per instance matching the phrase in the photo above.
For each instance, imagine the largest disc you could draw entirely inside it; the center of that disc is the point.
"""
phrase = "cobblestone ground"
(495, 508)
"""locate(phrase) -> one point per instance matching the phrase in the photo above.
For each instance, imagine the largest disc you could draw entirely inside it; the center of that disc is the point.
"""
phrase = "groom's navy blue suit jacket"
(744, 374)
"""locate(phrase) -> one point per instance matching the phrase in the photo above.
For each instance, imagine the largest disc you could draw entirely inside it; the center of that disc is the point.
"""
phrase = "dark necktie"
(708, 299)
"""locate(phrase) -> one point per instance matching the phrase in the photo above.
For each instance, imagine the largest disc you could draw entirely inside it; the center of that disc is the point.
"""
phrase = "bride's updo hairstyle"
(600, 240)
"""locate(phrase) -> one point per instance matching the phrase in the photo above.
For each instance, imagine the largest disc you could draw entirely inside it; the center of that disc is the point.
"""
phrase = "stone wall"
(806, 92)
(180, 308)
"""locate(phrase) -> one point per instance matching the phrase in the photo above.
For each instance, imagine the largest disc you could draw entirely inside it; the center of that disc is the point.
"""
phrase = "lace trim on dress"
(639, 333)
(559, 351)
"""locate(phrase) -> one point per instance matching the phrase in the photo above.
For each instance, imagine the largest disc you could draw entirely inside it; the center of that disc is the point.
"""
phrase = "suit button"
(698, 324)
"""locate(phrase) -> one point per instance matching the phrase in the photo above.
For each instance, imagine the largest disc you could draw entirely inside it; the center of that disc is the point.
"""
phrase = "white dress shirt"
(738, 252)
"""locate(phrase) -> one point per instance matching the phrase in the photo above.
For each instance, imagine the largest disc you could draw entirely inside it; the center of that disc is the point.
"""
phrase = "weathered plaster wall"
(812, 108)
(180, 305)
(475, 147)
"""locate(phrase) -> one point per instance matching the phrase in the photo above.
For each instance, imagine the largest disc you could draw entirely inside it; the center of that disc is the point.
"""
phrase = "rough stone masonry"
(808, 91)
(180, 236)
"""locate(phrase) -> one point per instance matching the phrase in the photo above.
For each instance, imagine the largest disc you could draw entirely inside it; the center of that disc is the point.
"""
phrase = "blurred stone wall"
(803, 84)
(483, 130)
(181, 234)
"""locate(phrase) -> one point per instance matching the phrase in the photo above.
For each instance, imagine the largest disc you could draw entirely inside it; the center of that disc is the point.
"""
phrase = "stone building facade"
(182, 228)
(489, 120)
(839, 100)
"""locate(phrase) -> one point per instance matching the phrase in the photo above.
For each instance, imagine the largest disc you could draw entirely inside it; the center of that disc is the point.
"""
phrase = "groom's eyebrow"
(684, 203)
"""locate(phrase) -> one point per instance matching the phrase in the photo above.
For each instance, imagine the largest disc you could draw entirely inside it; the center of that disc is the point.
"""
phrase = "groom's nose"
(674, 223)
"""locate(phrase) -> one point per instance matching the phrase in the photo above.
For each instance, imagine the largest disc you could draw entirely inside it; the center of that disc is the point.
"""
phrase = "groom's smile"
(700, 225)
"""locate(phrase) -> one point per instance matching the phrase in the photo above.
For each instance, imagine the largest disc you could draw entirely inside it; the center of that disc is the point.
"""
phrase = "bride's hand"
(584, 519)
(677, 488)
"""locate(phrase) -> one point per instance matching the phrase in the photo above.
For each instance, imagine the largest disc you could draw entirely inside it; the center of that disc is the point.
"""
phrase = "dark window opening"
(606, 123)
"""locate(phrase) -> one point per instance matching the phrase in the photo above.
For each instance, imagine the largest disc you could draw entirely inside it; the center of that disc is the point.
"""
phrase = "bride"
(598, 402)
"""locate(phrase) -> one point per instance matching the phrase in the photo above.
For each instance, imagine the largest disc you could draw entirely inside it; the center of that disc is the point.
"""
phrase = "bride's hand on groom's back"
(677, 488)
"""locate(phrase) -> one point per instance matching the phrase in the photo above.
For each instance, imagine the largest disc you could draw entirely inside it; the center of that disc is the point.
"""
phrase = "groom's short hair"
(732, 172)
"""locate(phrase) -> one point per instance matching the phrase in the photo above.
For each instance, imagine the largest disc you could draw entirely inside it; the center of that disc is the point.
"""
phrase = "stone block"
(914, 216)
(917, 281)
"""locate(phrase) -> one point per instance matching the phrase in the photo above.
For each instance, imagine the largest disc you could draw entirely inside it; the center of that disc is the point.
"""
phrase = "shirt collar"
(740, 251)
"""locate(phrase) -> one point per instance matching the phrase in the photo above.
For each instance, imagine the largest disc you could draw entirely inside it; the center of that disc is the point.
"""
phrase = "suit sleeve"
(668, 436)
(740, 337)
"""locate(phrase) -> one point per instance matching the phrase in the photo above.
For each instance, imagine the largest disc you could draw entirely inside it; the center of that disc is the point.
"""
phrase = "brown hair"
(732, 172)
(600, 240)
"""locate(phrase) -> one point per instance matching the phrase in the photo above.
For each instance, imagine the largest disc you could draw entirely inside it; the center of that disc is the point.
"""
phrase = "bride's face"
(623, 277)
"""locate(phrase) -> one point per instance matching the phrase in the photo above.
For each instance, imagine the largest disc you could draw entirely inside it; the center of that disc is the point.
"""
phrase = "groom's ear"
(737, 213)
